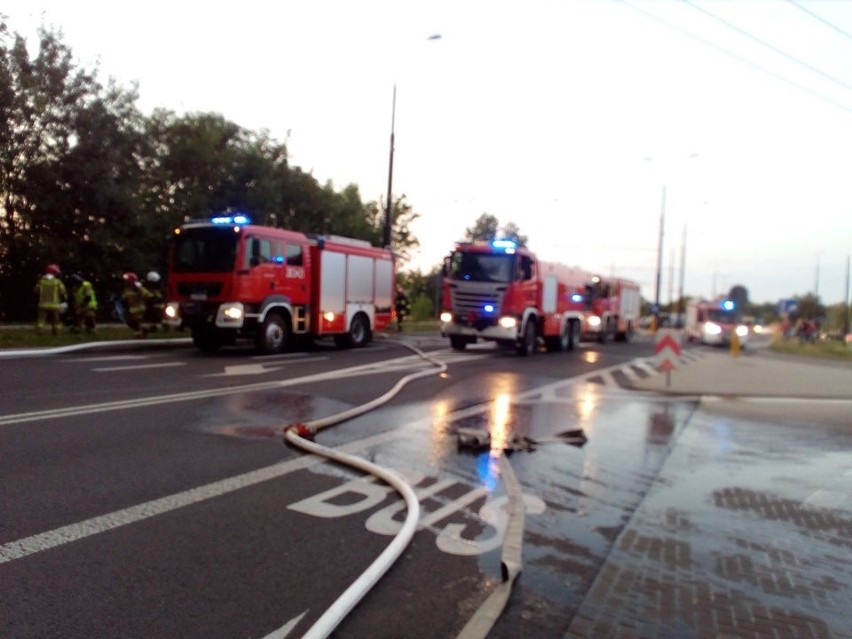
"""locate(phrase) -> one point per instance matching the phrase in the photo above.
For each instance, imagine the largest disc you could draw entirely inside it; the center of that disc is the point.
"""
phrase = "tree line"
(89, 182)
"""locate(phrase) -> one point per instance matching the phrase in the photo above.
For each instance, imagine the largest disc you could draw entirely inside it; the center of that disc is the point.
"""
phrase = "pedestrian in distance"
(52, 296)
(85, 304)
(403, 307)
(135, 297)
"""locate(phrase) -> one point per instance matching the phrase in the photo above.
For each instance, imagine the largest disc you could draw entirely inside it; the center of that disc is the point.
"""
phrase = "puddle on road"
(262, 415)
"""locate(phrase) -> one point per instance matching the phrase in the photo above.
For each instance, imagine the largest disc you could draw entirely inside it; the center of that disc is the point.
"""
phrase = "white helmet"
(153, 277)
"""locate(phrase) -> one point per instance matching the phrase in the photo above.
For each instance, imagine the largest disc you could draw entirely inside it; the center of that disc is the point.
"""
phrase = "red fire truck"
(612, 309)
(500, 292)
(230, 279)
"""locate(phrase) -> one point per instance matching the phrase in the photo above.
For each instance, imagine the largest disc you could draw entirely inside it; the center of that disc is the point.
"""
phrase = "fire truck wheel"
(526, 345)
(458, 342)
(357, 336)
(574, 339)
(272, 336)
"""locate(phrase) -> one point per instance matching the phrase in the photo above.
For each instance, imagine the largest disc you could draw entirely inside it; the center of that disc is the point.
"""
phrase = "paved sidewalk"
(747, 530)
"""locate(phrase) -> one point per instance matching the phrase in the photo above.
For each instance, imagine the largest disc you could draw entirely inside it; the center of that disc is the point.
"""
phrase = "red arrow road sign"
(667, 347)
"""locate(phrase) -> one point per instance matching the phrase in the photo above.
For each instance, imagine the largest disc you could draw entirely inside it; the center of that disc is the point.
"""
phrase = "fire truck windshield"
(721, 316)
(482, 267)
(205, 250)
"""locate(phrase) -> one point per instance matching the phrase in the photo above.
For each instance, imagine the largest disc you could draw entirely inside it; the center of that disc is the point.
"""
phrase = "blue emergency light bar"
(576, 298)
(728, 305)
(231, 219)
(506, 245)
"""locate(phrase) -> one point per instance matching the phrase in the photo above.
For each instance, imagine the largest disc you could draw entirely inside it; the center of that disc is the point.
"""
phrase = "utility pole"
(389, 203)
(660, 250)
(846, 308)
(680, 302)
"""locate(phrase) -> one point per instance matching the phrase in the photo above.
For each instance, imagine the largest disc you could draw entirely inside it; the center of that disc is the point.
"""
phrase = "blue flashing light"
(576, 298)
(506, 245)
(728, 305)
(231, 219)
(488, 308)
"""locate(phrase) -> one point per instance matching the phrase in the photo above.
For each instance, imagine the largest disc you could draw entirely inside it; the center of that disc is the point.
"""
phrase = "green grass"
(421, 326)
(826, 350)
(25, 336)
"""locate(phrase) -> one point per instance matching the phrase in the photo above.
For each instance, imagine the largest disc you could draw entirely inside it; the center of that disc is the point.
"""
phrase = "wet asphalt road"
(160, 500)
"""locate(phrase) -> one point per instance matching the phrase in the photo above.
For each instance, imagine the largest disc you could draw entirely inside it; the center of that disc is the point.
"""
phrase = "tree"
(809, 307)
(403, 240)
(68, 166)
(484, 229)
(487, 228)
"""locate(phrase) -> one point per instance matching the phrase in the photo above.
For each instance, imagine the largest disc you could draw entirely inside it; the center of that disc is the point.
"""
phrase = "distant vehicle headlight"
(446, 317)
(508, 322)
(712, 329)
(742, 330)
(172, 310)
(594, 320)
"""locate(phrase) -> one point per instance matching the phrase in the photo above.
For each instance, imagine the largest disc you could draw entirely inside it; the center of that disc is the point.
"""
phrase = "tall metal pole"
(389, 203)
(680, 302)
(846, 323)
(660, 250)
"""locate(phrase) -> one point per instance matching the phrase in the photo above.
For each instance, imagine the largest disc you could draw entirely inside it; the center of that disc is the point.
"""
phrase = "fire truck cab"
(498, 291)
(714, 323)
(230, 279)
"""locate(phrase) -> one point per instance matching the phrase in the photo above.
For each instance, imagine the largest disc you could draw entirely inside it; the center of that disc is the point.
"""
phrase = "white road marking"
(259, 369)
(285, 630)
(105, 358)
(73, 532)
(136, 367)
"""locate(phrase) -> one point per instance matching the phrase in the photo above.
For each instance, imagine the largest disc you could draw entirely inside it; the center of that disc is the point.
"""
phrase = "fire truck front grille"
(204, 289)
(473, 302)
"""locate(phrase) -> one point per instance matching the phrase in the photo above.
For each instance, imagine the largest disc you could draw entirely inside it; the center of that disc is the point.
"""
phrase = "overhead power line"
(819, 18)
(769, 46)
(738, 58)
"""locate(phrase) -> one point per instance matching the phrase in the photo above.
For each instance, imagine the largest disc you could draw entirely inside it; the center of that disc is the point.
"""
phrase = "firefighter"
(52, 296)
(135, 297)
(85, 303)
(403, 307)
(156, 302)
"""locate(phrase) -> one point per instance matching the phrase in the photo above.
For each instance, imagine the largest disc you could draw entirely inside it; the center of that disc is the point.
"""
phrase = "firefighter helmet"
(153, 277)
(53, 269)
(130, 278)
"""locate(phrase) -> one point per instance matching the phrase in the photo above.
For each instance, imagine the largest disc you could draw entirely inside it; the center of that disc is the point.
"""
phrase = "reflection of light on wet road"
(488, 470)
(441, 421)
(487, 466)
(499, 426)
(591, 357)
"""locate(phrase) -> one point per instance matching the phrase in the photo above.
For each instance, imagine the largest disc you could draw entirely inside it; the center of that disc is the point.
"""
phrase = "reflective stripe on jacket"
(51, 293)
(83, 291)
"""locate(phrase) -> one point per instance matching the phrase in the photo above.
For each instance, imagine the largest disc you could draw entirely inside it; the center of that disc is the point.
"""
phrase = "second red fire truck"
(230, 279)
(500, 292)
(612, 309)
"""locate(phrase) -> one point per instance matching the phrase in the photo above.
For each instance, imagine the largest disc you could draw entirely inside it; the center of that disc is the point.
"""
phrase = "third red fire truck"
(231, 279)
(612, 309)
(500, 292)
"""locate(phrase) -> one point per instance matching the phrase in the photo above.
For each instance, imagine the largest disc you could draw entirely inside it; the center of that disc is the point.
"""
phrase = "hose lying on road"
(300, 434)
(511, 564)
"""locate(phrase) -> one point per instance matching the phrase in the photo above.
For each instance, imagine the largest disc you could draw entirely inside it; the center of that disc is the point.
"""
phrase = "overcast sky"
(566, 118)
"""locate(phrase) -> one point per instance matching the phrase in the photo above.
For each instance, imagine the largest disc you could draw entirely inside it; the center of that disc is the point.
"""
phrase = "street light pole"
(389, 203)
(660, 251)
